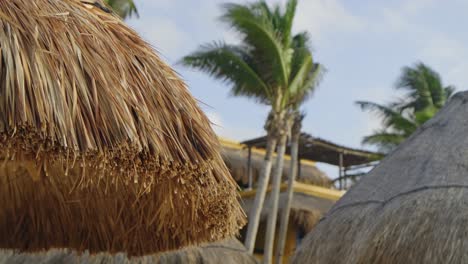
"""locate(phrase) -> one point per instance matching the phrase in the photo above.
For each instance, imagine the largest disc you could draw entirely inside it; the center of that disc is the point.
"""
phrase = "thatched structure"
(102, 146)
(236, 158)
(320, 150)
(306, 210)
(227, 252)
(412, 208)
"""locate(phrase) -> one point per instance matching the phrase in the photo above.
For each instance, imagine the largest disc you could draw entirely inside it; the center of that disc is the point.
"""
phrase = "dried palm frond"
(102, 146)
(306, 219)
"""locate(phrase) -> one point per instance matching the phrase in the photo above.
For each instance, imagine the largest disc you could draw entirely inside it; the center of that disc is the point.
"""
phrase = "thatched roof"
(236, 157)
(227, 252)
(306, 210)
(412, 208)
(321, 150)
(102, 146)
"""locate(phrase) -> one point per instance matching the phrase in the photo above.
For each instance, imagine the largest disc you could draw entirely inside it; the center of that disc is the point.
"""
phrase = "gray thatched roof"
(412, 208)
(226, 252)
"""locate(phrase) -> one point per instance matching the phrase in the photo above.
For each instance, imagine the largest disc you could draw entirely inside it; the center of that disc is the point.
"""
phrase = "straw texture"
(102, 146)
(412, 208)
(227, 252)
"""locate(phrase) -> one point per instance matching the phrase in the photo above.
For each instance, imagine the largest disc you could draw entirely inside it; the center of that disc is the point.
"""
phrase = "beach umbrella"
(229, 251)
(412, 208)
(102, 147)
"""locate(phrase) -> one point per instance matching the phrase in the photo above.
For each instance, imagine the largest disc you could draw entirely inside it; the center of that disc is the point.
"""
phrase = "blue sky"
(363, 44)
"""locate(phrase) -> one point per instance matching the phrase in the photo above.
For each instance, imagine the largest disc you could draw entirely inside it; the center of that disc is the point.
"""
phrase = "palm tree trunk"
(255, 211)
(295, 135)
(275, 192)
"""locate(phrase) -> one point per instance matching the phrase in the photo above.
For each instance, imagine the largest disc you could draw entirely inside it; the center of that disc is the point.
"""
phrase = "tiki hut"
(227, 252)
(306, 209)
(102, 147)
(412, 208)
(236, 157)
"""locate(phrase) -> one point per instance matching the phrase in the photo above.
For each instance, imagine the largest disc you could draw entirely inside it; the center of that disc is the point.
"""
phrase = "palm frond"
(307, 86)
(301, 75)
(313, 80)
(424, 97)
(449, 91)
(232, 64)
(124, 8)
(287, 21)
(259, 35)
(384, 141)
(305, 75)
(424, 87)
(390, 118)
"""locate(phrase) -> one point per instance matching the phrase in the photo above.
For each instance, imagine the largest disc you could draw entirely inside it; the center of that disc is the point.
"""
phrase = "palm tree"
(424, 97)
(266, 67)
(297, 117)
(124, 8)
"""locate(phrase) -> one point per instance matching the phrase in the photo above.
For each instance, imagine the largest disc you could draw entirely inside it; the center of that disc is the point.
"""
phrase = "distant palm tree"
(301, 46)
(271, 66)
(425, 95)
(124, 8)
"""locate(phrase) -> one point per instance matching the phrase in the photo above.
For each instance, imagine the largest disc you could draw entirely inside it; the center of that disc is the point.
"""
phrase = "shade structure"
(306, 210)
(236, 159)
(412, 208)
(325, 151)
(229, 251)
(102, 147)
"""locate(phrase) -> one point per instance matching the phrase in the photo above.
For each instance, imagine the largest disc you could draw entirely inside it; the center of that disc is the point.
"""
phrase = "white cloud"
(392, 20)
(154, 4)
(230, 131)
(216, 121)
(446, 55)
(164, 35)
(400, 17)
(440, 50)
(321, 17)
(416, 6)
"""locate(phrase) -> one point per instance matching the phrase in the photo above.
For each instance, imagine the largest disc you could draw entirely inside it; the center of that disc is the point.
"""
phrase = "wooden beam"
(249, 168)
(340, 167)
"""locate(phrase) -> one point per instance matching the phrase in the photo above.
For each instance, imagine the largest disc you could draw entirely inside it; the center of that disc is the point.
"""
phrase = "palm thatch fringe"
(101, 145)
(226, 252)
(306, 219)
(412, 208)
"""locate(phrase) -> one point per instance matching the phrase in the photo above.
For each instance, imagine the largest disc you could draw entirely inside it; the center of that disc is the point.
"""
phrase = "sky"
(363, 44)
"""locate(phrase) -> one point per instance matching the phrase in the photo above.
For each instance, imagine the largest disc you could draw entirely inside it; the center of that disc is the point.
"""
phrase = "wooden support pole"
(249, 168)
(341, 171)
(299, 168)
(345, 179)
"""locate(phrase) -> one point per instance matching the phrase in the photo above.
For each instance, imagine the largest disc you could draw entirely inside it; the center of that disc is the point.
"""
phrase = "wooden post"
(249, 169)
(299, 168)
(341, 171)
(345, 179)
